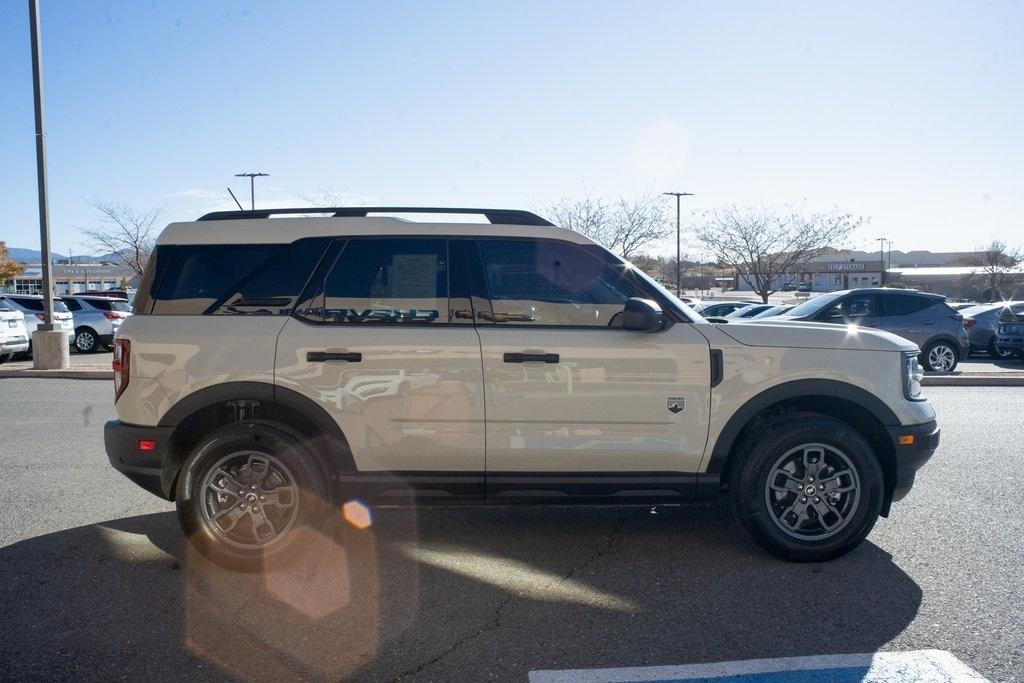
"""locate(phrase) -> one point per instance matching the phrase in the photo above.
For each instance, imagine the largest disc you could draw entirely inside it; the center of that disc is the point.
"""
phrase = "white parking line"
(930, 666)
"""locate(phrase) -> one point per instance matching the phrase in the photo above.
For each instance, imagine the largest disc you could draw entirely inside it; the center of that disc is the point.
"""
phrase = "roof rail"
(495, 216)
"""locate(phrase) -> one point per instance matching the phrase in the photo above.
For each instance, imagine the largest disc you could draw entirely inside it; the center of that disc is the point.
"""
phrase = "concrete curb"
(976, 380)
(70, 373)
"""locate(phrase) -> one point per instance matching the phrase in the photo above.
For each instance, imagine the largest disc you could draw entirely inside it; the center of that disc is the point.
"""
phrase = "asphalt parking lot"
(96, 581)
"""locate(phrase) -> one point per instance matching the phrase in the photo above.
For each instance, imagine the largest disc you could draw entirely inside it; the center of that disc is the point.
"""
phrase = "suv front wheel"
(809, 489)
(245, 490)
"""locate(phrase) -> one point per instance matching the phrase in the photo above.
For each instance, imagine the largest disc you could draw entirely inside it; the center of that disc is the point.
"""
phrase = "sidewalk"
(83, 366)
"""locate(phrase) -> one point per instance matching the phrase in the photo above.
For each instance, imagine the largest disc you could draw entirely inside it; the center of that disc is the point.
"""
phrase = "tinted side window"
(101, 304)
(545, 282)
(854, 306)
(72, 304)
(197, 275)
(273, 288)
(397, 281)
(905, 304)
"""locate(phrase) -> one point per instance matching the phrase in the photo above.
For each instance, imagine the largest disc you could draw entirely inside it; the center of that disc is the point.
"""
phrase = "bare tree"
(329, 197)
(122, 231)
(625, 226)
(637, 222)
(8, 269)
(587, 216)
(763, 243)
(997, 270)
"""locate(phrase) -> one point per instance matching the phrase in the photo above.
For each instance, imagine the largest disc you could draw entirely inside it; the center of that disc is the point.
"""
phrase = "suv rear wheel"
(86, 340)
(940, 356)
(244, 491)
(809, 489)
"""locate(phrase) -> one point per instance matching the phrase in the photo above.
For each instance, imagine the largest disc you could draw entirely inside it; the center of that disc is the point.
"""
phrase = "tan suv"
(276, 368)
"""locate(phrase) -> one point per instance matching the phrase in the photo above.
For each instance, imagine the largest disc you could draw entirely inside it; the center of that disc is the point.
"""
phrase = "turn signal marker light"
(906, 439)
(147, 445)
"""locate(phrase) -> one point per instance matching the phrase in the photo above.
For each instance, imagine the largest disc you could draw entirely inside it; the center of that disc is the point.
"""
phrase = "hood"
(802, 335)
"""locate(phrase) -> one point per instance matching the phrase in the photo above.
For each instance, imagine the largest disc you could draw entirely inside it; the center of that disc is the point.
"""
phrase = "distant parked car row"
(941, 332)
(89, 320)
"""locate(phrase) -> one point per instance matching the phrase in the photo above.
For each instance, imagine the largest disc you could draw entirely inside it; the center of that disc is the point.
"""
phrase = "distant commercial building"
(941, 272)
(73, 278)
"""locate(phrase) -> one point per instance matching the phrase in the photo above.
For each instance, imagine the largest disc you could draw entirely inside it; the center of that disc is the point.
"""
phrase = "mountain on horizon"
(34, 256)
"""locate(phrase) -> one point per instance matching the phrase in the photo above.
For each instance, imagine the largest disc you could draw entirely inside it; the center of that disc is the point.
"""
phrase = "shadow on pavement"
(437, 594)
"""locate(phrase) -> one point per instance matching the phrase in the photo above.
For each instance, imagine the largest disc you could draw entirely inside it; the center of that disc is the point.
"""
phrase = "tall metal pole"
(881, 257)
(252, 186)
(44, 216)
(679, 232)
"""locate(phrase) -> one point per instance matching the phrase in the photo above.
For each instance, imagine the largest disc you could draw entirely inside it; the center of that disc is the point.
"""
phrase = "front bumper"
(910, 457)
(145, 468)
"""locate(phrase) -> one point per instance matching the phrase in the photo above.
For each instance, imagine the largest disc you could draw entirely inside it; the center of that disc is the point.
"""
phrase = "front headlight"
(913, 373)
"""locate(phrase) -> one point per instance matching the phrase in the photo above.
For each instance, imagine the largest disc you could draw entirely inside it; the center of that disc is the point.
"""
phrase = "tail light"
(121, 365)
(113, 315)
(969, 323)
(41, 316)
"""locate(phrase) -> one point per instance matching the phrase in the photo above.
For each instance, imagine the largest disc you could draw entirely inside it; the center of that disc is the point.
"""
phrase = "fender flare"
(265, 392)
(789, 390)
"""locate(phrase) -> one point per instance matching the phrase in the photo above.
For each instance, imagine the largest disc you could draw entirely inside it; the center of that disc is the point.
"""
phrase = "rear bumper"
(1010, 344)
(14, 347)
(145, 468)
(910, 457)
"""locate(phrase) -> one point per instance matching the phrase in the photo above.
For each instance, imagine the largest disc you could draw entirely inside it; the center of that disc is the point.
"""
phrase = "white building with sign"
(74, 278)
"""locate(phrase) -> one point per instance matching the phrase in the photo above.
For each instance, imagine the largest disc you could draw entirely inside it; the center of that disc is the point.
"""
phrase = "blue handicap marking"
(930, 666)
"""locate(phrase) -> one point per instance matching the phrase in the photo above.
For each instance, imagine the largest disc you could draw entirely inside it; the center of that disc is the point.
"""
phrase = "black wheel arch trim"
(334, 446)
(791, 390)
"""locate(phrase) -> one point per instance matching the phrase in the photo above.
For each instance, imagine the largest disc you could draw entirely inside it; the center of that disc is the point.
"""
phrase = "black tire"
(86, 340)
(994, 352)
(196, 503)
(928, 359)
(756, 506)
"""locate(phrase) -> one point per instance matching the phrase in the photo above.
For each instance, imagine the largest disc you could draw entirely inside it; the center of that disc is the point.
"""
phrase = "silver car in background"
(31, 305)
(97, 320)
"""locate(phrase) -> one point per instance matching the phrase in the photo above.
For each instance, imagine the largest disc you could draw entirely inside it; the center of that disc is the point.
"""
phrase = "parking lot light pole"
(252, 185)
(679, 276)
(50, 347)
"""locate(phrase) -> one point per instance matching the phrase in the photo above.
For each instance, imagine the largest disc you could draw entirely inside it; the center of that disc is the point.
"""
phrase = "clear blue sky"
(911, 113)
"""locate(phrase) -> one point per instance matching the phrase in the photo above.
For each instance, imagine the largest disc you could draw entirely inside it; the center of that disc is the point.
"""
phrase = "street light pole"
(252, 185)
(44, 214)
(881, 257)
(679, 233)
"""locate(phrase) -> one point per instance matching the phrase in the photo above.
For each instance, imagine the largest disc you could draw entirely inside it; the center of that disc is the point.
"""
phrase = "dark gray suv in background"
(925, 319)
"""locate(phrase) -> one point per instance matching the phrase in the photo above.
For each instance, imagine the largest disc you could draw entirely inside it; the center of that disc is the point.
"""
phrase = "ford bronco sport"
(277, 368)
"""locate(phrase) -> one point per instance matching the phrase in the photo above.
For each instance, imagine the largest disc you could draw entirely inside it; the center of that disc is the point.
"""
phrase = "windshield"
(812, 306)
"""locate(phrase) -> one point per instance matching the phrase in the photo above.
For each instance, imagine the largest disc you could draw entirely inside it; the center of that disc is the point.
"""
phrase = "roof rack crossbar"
(494, 216)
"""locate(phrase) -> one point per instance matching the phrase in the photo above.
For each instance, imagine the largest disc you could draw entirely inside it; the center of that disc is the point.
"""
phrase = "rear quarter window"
(907, 304)
(195, 276)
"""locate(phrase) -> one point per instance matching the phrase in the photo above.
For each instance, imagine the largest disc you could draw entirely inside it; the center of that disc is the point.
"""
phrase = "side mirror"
(643, 315)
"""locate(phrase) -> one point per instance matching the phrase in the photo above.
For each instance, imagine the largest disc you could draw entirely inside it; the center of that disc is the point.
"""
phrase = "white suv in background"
(275, 370)
(31, 305)
(97, 320)
(13, 334)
